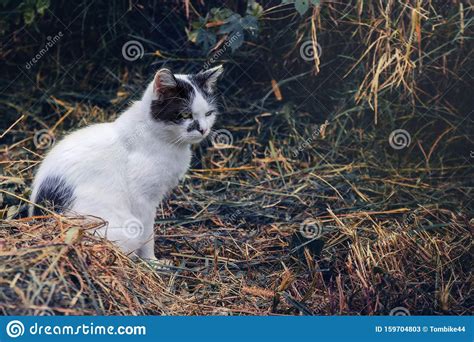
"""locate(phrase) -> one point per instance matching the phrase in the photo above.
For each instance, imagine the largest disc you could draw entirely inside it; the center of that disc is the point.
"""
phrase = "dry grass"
(364, 263)
(396, 225)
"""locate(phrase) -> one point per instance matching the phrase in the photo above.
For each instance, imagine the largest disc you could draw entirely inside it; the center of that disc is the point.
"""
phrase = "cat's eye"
(210, 113)
(186, 115)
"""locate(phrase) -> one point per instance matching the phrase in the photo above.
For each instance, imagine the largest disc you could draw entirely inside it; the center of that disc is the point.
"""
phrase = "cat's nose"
(201, 130)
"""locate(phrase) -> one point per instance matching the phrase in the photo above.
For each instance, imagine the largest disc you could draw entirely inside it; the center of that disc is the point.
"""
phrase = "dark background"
(407, 213)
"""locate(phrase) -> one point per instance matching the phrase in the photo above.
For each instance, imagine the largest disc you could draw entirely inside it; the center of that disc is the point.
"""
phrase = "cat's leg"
(133, 234)
(147, 250)
(122, 228)
(126, 231)
(147, 246)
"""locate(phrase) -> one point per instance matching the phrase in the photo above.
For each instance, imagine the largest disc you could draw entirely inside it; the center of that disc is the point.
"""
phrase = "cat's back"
(80, 156)
(86, 145)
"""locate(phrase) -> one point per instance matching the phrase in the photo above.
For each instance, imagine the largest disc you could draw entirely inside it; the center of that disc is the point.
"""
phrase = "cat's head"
(184, 105)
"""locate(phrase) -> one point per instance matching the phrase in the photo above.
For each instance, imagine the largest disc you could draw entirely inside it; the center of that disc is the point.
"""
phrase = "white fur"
(120, 171)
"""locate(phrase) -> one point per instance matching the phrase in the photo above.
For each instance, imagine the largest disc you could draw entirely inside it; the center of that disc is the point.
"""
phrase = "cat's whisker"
(178, 140)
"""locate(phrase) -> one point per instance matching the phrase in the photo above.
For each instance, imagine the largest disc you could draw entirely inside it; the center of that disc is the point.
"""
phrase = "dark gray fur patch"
(199, 80)
(174, 101)
(178, 100)
(54, 193)
(194, 125)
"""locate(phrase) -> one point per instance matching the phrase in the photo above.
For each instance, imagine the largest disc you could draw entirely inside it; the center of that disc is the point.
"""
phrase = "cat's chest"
(155, 173)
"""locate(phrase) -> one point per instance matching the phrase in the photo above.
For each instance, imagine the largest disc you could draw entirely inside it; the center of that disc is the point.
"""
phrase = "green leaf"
(206, 39)
(220, 13)
(232, 24)
(254, 9)
(250, 23)
(235, 25)
(301, 6)
(197, 24)
(42, 6)
(191, 34)
(236, 40)
(29, 15)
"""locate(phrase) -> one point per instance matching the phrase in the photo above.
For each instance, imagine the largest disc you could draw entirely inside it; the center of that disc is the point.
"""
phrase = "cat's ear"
(208, 78)
(164, 80)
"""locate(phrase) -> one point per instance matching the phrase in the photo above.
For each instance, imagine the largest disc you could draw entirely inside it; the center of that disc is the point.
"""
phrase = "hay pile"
(53, 267)
(363, 263)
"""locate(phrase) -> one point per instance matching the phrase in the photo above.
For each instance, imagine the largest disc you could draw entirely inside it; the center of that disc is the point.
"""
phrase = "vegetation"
(343, 186)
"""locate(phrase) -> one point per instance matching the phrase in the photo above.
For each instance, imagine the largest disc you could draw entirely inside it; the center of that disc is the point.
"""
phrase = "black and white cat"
(120, 171)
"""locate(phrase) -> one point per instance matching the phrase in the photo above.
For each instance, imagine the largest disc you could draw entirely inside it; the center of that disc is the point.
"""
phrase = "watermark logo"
(133, 228)
(318, 132)
(308, 50)
(43, 139)
(15, 329)
(221, 137)
(138, 132)
(399, 139)
(51, 41)
(234, 216)
(311, 229)
(132, 50)
(399, 311)
(216, 56)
